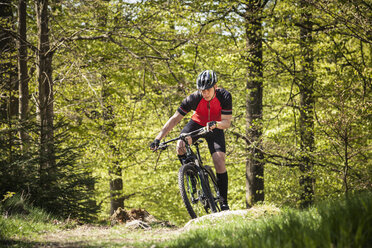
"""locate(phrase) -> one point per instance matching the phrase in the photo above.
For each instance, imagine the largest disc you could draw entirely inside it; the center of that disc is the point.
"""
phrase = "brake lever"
(161, 147)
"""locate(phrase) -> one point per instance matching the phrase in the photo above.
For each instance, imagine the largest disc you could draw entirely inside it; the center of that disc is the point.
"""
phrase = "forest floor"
(123, 236)
(134, 233)
(101, 236)
(341, 223)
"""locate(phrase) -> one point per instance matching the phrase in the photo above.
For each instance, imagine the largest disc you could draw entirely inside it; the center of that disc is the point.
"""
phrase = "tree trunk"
(115, 172)
(8, 78)
(22, 73)
(254, 163)
(8, 73)
(116, 189)
(346, 159)
(306, 122)
(45, 104)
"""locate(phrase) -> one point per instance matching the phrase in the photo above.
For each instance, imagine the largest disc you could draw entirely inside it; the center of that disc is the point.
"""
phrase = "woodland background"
(86, 85)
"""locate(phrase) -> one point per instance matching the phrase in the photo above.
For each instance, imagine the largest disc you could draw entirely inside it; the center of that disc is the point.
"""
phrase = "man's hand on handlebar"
(211, 125)
(155, 144)
(187, 137)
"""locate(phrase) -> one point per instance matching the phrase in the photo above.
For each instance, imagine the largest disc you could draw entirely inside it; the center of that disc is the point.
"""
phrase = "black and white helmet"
(207, 79)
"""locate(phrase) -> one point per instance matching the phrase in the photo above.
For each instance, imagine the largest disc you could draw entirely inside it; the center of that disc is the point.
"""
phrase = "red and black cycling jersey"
(206, 111)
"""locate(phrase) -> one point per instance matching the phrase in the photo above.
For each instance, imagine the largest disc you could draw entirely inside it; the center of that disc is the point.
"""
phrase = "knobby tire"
(213, 187)
(201, 205)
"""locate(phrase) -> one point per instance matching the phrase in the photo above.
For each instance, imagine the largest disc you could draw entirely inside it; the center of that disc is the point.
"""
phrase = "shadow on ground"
(26, 244)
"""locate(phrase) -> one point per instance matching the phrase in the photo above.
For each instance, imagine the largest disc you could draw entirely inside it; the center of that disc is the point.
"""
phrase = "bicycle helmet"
(207, 79)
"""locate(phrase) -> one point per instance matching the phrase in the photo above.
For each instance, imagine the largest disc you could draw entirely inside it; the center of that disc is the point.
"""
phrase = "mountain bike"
(197, 182)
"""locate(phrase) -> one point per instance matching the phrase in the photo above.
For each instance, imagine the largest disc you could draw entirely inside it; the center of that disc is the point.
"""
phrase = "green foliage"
(121, 69)
(69, 187)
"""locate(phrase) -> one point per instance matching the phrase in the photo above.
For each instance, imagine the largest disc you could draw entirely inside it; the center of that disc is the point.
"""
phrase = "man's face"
(208, 94)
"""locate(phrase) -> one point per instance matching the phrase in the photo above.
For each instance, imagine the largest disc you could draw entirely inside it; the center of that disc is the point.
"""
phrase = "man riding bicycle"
(213, 107)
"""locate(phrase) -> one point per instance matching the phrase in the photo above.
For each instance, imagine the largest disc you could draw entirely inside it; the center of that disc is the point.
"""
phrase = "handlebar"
(198, 132)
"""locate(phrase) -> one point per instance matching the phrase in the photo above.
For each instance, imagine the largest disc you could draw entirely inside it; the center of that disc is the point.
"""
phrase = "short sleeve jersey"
(206, 111)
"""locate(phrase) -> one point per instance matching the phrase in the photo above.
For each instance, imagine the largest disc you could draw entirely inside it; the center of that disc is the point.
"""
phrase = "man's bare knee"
(181, 147)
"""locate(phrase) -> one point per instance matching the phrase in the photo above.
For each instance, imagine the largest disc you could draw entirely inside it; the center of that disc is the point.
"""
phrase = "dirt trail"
(100, 236)
(122, 236)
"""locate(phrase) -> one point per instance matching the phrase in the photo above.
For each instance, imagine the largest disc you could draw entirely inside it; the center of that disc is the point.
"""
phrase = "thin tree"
(108, 128)
(254, 162)
(45, 101)
(115, 171)
(306, 120)
(8, 77)
(22, 72)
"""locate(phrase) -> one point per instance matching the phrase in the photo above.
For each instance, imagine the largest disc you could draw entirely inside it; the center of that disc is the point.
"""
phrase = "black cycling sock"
(222, 183)
(182, 158)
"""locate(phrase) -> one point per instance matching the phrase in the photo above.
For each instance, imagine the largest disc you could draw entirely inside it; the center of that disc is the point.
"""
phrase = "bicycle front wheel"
(213, 188)
(191, 191)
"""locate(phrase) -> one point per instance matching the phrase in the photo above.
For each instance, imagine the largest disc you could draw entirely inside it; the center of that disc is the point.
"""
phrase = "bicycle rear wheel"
(191, 191)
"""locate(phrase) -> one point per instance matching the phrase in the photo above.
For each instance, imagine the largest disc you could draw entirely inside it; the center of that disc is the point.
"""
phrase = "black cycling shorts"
(215, 139)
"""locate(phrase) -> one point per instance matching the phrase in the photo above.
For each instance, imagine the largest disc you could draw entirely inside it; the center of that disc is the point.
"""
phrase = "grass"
(20, 221)
(341, 223)
(22, 225)
(345, 222)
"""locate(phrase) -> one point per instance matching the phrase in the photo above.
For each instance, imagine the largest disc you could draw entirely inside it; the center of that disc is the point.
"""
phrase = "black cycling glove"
(154, 144)
(212, 123)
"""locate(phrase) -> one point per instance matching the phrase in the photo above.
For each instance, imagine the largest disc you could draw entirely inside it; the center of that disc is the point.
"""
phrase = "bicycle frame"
(190, 155)
(195, 158)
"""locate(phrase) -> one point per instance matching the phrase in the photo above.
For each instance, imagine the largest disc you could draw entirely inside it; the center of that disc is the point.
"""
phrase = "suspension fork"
(187, 147)
(198, 155)
(198, 161)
